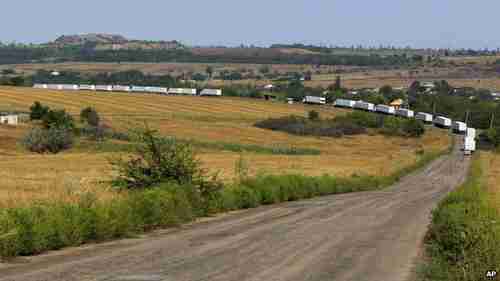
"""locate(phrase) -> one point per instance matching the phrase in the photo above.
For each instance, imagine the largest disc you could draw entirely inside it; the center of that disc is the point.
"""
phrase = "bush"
(413, 128)
(90, 116)
(58, 119)
(158, 160)
(313, 115)
(51, 140)
(38, 111)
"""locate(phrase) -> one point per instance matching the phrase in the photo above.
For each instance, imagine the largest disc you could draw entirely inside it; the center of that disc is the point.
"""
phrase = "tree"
(210, 71)
(38, 111)
(58, 119)
(386, 90)
(90, 116)
(338, 84)
(264, 69)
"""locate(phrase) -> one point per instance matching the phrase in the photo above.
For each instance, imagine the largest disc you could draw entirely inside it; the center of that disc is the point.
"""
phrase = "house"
(397, 103)
(10, 119)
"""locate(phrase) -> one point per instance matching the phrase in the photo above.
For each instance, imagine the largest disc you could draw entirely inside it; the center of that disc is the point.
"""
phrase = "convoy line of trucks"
(134, 89)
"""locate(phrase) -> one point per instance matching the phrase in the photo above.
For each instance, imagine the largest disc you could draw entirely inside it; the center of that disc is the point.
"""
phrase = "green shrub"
(313, 115)
(158, 160)
(52, 140)
(38, 111)
(58, 119)
(90, 116)
(413, 128)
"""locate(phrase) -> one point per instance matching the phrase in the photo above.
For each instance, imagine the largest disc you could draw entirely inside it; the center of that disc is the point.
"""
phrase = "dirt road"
(373, 236)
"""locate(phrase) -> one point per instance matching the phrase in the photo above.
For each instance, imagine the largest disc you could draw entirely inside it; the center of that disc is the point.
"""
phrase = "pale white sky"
(423, 23)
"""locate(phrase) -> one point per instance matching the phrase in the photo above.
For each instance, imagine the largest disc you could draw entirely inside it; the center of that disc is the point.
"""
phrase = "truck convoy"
(424, 117)
(344, 103)
(385, 109)
(403, 112)
(364, 106)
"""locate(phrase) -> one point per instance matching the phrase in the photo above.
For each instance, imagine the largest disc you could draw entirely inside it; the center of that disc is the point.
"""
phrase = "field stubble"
(26, 177)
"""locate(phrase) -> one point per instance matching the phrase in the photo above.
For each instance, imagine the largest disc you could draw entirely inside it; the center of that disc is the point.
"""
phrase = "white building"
(11, 119)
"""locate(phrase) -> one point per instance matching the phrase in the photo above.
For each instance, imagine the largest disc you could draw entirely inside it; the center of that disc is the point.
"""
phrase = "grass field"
(491, 161)
(25, 177)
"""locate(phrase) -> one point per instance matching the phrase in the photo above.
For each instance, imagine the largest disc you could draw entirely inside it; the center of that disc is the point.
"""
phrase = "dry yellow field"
(25, 176)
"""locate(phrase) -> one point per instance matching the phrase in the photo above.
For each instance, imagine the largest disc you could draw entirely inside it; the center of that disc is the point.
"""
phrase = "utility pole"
(467, 117)
(434, 108)
(492, 120)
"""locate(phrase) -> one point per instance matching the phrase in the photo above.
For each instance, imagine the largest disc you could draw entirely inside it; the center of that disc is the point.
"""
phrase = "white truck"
(121, 88)
(403, 112)
(424, 117)
(107, 88)
(364, 106)
(469, 145)
(442, 122)
(181, 91)
(85, 87)
(40, 86)
(211, 92)
(459, 127)
(314, 100)
(471, 133)
(157, 90)
(344, 103)
(385, 109)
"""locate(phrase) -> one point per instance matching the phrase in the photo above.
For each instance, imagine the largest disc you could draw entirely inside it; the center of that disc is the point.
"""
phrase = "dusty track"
(373, 236)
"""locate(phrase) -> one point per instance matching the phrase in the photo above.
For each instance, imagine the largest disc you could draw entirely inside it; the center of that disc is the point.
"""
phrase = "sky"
(420, 24)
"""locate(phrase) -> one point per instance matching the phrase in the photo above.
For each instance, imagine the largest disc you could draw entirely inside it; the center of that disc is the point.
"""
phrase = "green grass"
(464, 238)
(53, 225)
(110, 146)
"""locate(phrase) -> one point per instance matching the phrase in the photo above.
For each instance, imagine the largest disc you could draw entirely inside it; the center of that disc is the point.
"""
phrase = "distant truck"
(314, 100)
(344, 103)
(211, 92)
(403, 112)
(385, 109)
(364, 106)
(424, 117)
(181, 91)
(442, 122)
(469, 145)
(459, 127)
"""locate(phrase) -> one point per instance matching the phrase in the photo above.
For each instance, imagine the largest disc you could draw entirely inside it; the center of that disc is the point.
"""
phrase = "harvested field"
(25, 177)
(491, 162)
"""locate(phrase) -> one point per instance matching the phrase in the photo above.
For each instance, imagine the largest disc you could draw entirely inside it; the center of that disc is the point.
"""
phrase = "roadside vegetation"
(464, 236)
(162, 184)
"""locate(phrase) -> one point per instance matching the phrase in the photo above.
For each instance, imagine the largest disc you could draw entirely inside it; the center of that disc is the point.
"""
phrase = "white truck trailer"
(157, 90)
(314, 100)
(424, 117)
(138, 89)
(85, 87)
(181, 91)
(106, 88)
(344, 103)
(40, 86)
(471, 133)
(459, 127)
(211, 92)
(469, 145)
(403, 112)
(364, 106)
(121, 88)
(55, 86)
(442, 122)
(70, 87)
(385, 109)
